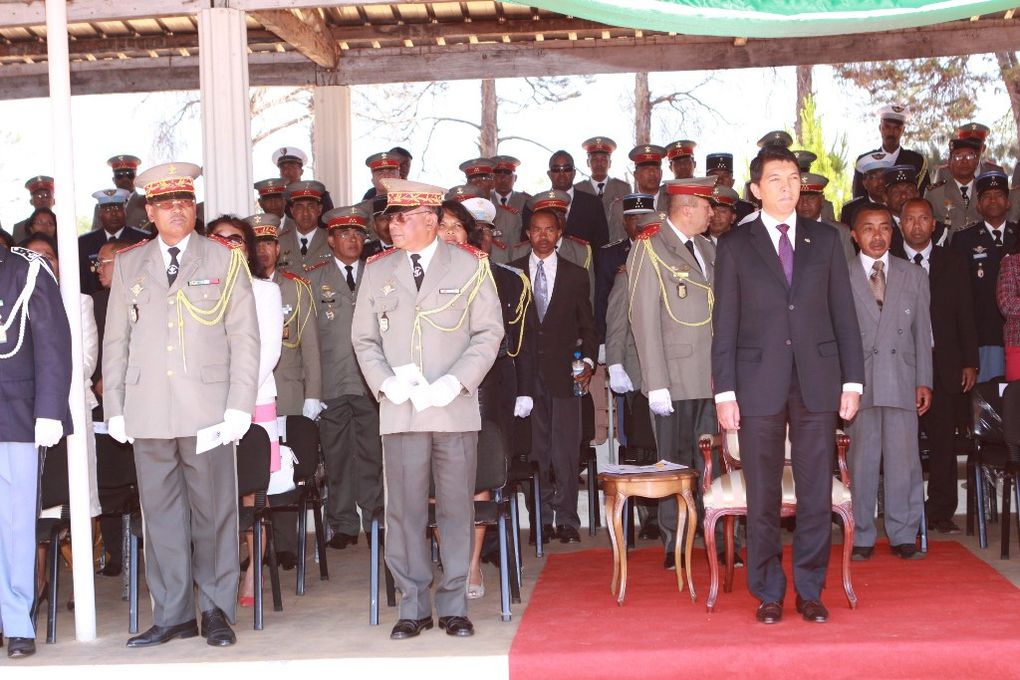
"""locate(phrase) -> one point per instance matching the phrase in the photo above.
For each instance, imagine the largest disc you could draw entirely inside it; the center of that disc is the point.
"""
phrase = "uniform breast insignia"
(204, 282)
(387, 288)
(133, 313)
(312, 267)
(137, 288)
(381, 254)
(479, 254)
(449, 291)
(328, 294)
(613, 244)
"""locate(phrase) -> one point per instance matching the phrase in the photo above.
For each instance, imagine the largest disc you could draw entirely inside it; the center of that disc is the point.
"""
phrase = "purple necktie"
(786, 253)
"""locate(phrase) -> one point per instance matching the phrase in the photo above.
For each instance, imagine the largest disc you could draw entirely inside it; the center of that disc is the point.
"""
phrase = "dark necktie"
(417, 270)
(350, 276)
(877, 282)
(171, 271)
(919, 259)
(997, 235)
(966, 198)
(503, 199)
(786, 253)
(689, 243)
(304, 246)
(602, 188)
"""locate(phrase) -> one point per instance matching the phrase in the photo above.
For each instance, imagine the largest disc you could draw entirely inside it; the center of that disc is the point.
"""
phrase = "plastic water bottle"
(576, 369)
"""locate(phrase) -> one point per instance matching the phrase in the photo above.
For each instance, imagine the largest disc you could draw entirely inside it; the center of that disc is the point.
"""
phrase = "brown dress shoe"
(770, 612)
(813, 611)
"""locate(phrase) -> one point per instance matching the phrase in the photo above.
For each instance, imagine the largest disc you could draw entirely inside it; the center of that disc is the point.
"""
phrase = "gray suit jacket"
(335, 312)
(673, 334)
(620, 346)
(897, 338)
(290, 250)
(165, 390)
(453, 325)
(298, 374)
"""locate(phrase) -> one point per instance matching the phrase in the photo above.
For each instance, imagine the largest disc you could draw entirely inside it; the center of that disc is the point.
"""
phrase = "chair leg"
(504, 569)
(256, 564)
(54, 576)
(593, 494)
(630, 510)
(514, 550)
(536, 520)
(373, 575)
(728, 529)
(1007, 494)
(133, 584)
(979, 498)
(971, 504)
(125, 552)
(847, 514)
(302, 562)
(713, 558)
(274, 568)
(320, 539)
(1016, 497)
(991, 493)
(515, 525)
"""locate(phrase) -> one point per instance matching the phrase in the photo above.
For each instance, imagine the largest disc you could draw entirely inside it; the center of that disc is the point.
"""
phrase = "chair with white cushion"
(726, 497)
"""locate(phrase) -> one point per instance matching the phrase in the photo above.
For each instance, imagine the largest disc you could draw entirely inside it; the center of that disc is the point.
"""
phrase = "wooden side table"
(617, 488)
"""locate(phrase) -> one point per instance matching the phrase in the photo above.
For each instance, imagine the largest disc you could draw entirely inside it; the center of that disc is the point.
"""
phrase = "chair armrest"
(842, 444)
(706, 443)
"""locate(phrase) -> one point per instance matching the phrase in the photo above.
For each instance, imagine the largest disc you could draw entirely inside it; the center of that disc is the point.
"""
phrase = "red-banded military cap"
(599, 145)
(647, 154)
(477, 166)
(124, 163)
(402, 193)
(724, 195)
(463, 192)
(695, 186)
(383, 159)
(347, 217)
(812, 183)
(39, 183)
(505, 164)
(553, 199)
(975, 130)
(168, 178)
(265, 225)
(306, 188)
(681, 148)
(274, 186)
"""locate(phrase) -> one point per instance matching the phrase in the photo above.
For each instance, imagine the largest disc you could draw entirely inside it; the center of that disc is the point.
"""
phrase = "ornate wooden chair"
(726, 497)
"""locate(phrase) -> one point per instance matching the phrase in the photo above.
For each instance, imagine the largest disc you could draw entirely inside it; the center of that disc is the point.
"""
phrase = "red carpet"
(948, 616)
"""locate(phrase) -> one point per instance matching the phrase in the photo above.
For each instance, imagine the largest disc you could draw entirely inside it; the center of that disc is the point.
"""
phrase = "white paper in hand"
(418, 385)
(209, 438)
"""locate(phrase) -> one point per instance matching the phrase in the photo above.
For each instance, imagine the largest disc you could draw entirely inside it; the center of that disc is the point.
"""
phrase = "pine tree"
(832, 161)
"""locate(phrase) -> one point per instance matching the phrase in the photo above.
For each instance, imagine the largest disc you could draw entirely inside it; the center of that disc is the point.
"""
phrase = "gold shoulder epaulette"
(480, 254)
(380, 255)
(309, 268)
(649, 232)
(133, 246)
(294, 277)
(575, 239)
(224, 242)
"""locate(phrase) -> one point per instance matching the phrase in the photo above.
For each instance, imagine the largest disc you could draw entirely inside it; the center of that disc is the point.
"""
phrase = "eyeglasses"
(397, 218)
(348, 234)
(964, 157)
(561, 168)
(175, 204)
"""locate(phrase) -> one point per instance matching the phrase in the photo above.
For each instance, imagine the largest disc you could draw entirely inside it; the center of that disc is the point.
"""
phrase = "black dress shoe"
(548, 533)
(216, 630)
(649, 531)
(862, 553)
(157, 635)
(569, 535)
(907, 551)
(458, 626)
(409, 628)
(286, 560)
(112, 568)
(813, 611)
(670, 561)
(341, 541)
(944, 526)
(18, 647)
(769, 612)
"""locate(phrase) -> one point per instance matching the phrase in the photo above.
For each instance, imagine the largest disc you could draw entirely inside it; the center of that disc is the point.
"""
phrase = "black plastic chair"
(118, 493)
(253, 456)
(523, 477)
(53, 492)
(989, 459)
(302, 436)
(589, 461)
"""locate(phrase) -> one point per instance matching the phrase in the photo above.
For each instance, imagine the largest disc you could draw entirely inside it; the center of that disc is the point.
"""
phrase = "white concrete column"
(331, 141)
(78, 477)
(226, 112)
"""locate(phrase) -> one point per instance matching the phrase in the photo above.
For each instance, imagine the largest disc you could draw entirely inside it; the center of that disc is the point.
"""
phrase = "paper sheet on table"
(412, 375)
(661, 466)
(208, 438)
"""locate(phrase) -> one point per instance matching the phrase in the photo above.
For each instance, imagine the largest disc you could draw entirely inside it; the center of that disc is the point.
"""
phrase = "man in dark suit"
(110, 207)
(35, 378)
(954, 355)
(586, 218)
(891, 121)
(565, 326)
(786, 352)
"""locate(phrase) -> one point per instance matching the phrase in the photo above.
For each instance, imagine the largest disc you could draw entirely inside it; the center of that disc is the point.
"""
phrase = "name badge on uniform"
(449, 291)
(980, 256)
(204, 282)
(384, 323)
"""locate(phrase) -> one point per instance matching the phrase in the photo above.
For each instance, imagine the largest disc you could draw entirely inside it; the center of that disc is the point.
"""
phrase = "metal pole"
(70, 290)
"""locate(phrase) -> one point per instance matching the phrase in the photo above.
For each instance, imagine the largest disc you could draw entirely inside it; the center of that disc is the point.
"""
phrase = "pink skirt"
(265, 417)
(1012, 364)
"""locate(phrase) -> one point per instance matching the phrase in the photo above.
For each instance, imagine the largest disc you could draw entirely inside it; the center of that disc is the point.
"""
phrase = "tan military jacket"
(671, 313)
(176, 357)
(290, 251)
(620, 346)
(949, 208)
(453, 325)
(334, 303)
(298, 374)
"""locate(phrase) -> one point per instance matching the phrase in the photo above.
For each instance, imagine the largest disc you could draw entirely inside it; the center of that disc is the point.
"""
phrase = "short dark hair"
(871, 207)
(769, 152)
(257, 270)
(40, 211)
(561, 219)
(561, 152)
(457, 209)
(6, 239)
(42, 238)
(402, 151)
(917, 200)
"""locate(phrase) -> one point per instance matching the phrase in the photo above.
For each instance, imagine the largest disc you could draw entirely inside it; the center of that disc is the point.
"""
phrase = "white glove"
(660, 403)
(395, 389)
(48, 431)
(523, 406)
(444, 390)
(115, 428)
(235, 425)
(312, 408)
(619, 381)
(602, 353)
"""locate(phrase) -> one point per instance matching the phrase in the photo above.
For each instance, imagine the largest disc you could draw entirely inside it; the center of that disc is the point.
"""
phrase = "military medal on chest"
(384, 323)
(681, 287)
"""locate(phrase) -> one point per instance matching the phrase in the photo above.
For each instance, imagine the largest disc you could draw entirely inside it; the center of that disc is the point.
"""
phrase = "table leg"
(692, 516)
(620, 560)
(610, 503)
(679, 555)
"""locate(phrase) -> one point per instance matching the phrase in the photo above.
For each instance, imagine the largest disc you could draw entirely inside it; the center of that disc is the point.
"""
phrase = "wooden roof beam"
(305, 30)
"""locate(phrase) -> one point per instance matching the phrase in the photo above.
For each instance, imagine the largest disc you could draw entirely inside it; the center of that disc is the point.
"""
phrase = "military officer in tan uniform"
(954, 201)
(427, 328)
(670, 272)
(305, 245)
(681, 158)
(608, 189)
(349, 425)
(811, 204)
(570, 248)
(647, 159)
(481, 174)
(271, 198)
(506, 199)
(181, 353)
(298, 374)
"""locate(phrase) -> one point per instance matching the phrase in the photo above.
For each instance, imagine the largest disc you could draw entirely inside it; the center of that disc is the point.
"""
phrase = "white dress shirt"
(309, 237)
(268, 306)
(342, 266)
(164, 250)
(868, 263)
(684, 238)
(925, 255)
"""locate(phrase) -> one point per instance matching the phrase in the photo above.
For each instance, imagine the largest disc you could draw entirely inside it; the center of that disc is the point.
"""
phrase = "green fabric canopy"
(771, 18)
